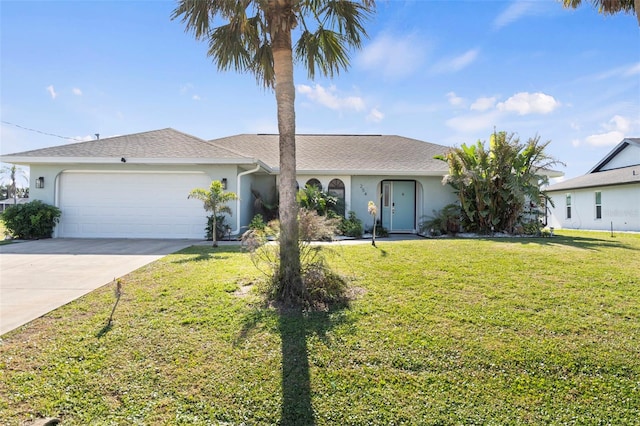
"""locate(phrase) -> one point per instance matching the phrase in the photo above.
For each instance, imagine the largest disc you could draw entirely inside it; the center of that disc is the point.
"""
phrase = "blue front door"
(399, 205)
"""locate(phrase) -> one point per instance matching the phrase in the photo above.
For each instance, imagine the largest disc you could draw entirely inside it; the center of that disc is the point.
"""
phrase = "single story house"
(136, 186)
(8, 202)
(607, 197)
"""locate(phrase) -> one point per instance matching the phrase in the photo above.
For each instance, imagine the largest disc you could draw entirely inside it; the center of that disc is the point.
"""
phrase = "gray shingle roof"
(355, 154)
(349, 154)
(622, 176)
(166, 143)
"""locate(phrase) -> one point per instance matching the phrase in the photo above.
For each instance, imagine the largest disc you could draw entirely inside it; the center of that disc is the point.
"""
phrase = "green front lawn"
(488, 331)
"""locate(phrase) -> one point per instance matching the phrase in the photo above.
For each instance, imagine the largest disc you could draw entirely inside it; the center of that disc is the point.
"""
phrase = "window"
(598, 205)
(386, 194)
(568, 206)
(315, 183)
(336, 188)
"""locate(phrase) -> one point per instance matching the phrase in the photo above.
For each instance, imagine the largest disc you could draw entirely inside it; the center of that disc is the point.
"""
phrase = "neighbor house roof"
(615, 151)
(628, 174)
(350, 154)
(160, 146)
(621, 176)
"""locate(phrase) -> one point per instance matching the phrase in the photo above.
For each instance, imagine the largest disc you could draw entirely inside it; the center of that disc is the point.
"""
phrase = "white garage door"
(131, 205)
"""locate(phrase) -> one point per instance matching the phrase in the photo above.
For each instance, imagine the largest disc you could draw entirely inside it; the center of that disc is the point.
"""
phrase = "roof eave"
(130, 160)
(360, 172)
(615, 151)
(591, 185)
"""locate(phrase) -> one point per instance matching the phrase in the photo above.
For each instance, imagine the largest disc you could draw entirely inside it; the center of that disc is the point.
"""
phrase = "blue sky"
(440, 71)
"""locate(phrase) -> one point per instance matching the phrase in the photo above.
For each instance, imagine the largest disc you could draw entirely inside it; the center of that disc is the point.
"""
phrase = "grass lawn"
(487, 331)
(2, 230)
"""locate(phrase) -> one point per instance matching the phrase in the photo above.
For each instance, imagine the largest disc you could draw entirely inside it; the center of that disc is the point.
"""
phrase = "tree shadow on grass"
(201, 258)
(205, 253)
(104, 330)
(585, 243)
(295, 328)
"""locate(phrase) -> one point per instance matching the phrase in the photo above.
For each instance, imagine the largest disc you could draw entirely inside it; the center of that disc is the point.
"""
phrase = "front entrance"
(399, 205)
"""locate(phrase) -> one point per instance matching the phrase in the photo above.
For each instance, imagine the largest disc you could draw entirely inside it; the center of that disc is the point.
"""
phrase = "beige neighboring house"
(606, 198)
(136, 186)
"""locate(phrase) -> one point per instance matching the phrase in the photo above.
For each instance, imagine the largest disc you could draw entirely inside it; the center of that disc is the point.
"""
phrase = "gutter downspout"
(248, 172)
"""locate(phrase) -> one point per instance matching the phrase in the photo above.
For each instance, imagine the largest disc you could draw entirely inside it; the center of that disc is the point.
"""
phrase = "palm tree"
(610, 7)
(214, 199)
(14, 173)
(256, 37)
(494, 185)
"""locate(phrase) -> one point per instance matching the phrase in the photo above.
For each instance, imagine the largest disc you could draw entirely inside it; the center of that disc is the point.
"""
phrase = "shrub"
(381, 231)
(323, 288)
(313, 198)
(445, 221)
(31, 221)
(258, 223)
(530, 227)
(313, 227)
(351, 226)
(222, 227)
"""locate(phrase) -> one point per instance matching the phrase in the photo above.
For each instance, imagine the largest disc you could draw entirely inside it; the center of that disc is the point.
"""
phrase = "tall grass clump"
(322, 287)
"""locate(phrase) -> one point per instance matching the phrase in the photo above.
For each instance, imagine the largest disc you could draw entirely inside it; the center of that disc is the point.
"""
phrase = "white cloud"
(483, 104)
(457, 63)
(473, 123)
(515, 11)
(330, 98)
(619, 123)
(195, 97)
(455, 100)
(617, 72)
(529, 103)
(613, 132)
(393, 55)
(76, 91)
(184, 88)
(52, 91)
(375, 115)
(605, 139)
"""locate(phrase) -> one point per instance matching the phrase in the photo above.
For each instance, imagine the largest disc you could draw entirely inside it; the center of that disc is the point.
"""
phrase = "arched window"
(315, 183)
(336, 188)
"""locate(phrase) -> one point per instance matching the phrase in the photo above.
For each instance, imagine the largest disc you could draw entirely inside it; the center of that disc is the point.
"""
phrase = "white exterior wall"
(620, 207)
(629, 156)
(52, 173)
(430, 195)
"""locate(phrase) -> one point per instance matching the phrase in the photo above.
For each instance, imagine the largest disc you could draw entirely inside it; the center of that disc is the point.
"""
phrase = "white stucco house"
(136, 186)
(607, 197)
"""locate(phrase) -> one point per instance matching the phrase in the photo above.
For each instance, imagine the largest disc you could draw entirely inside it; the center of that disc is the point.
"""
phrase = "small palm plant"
(373, 211)
(215, 200)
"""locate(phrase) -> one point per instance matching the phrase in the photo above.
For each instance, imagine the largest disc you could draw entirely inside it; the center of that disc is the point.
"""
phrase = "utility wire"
(41, 132)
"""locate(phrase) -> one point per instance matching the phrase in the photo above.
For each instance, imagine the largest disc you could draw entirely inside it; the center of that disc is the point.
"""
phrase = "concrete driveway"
(37, 277)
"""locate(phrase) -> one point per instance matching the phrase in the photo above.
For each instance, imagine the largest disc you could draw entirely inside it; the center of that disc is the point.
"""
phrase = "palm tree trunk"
(214, 232)
(291, 289)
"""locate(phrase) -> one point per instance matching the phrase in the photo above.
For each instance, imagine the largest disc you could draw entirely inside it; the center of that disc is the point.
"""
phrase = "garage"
(131, 205)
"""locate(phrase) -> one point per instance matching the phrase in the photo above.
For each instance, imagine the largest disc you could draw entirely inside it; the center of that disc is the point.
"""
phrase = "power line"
(41, 132)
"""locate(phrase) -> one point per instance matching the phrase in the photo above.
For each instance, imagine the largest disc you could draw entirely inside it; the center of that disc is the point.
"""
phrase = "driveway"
(37, 277)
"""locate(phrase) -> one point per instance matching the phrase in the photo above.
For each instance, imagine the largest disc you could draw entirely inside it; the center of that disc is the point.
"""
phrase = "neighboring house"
(607, 197)
(8, 202)
(136, 186)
